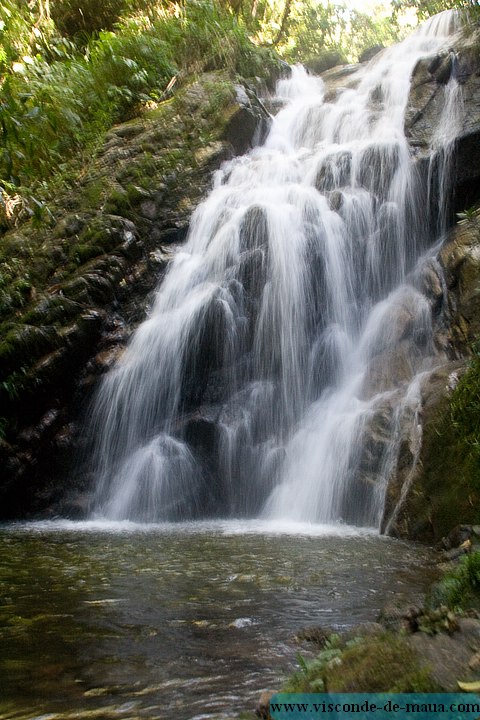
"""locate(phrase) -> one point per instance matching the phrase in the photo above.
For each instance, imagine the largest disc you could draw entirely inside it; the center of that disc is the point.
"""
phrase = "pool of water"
(177, 621)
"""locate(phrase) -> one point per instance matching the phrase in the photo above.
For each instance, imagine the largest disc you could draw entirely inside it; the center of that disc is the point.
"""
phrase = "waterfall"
(266, 380)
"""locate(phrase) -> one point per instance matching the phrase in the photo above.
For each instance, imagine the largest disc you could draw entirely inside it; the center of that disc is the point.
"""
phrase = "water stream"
(250, 388)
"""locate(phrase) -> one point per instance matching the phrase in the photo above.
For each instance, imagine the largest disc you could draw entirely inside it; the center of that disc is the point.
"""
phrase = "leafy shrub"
(459, 588)
(74, 18)
(128, 68)
(21, 32)
(57, 101)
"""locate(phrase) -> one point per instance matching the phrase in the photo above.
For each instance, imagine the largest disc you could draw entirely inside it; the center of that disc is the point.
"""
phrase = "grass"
(459, 589)
(375, 663)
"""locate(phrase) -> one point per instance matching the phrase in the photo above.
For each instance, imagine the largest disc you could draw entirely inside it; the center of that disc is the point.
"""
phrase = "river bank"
(432, 646)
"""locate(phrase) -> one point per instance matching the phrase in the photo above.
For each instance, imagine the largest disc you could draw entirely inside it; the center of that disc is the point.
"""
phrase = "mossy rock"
(377, 662)
(384, 663)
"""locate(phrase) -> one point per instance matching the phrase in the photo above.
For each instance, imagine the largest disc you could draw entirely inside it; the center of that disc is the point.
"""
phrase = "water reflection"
(176, 621)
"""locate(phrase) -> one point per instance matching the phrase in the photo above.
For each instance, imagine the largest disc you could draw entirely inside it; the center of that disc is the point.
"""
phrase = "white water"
(290, 291)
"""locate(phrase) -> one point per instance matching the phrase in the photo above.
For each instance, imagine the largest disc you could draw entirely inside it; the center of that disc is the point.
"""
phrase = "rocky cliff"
(433, 486)
(73, 291)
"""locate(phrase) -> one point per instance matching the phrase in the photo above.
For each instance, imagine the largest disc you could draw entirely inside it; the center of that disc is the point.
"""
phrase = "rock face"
(426, 102)
(78, 288)
(427, 495)
(430, 491)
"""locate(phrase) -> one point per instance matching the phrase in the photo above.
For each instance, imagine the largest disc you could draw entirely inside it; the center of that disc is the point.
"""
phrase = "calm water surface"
(177, 621)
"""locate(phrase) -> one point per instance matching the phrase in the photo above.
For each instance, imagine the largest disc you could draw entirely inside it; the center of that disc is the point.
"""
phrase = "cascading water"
(250, 388)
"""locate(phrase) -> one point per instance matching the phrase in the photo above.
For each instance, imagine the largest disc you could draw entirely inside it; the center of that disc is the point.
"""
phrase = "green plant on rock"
(58, 98)
(459, 589)
(465, 421)
(379, 663)
(467, 214)
(4, 423)
(14, 383)
(450, 483)
(312, 674)
(130, 67)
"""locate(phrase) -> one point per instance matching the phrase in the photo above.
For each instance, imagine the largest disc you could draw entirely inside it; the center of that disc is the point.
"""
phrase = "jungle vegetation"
(69, 69)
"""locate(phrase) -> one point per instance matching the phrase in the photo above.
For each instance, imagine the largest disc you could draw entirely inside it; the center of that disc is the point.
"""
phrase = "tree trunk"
(283, 24)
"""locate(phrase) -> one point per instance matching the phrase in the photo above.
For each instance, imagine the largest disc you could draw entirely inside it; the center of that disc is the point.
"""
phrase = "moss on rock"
(379, 662)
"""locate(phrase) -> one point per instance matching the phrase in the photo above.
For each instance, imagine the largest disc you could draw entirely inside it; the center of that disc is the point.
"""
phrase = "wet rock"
(400, 618)
(457, 552)
(458, 536)
(334, 171)
(200, 431)
(376, 438)
(370, 52)
(414, 506)
(443, 68)
(429, 283)
(419, 496)
(246, 118)
(263, 707)
(389, 368)
(377, 166)
(460, 258)
(325, 61)
(318, 636)
(449, 655)
(338, 79)
(335, 200)
(424, 110)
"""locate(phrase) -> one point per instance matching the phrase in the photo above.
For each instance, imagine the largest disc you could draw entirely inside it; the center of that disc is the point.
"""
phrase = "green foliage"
(23, 34)
(3, 428)
(312, 674)
(464, 423)
(426, 8)
(450, 481)
(314, 28)
(465, 404)
(460, 587)
(67, 76)
(204, 36)
(367, 31)
(74, 18)
(57, 100)
(378, 663)
(128, 68)
(439, 618)
(13, 384)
